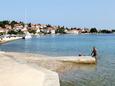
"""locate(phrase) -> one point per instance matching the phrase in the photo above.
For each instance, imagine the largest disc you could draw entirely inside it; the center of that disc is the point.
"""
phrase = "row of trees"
(15, 32)
(61, 30)
(3, 23)
(94, 30)
(12, 23)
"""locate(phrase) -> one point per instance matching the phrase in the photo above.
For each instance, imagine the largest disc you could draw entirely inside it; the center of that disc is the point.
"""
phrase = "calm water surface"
(102, 74)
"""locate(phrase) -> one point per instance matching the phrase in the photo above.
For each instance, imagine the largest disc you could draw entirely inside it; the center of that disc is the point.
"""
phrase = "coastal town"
(14, 27)
(12, 30)
(57, 43)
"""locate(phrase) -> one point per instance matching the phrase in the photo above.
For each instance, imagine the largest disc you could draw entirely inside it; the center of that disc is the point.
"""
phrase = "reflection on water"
(74, 72)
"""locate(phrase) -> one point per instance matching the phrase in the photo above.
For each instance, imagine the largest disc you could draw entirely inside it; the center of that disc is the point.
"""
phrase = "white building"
(38, 30)
(73, 32)
(52, 31)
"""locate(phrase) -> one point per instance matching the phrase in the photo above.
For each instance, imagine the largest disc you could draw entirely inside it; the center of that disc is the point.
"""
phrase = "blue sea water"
(63, 44)
(102, 74)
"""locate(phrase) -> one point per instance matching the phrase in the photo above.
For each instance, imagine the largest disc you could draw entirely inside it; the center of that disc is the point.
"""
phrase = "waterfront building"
(74, 31)
(2, 30)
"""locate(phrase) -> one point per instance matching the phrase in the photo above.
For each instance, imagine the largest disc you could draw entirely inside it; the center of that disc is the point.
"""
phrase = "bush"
(2, 33)
(93, 30)
(105, 31)
(15, 32)
(60, 30)
(32, 31)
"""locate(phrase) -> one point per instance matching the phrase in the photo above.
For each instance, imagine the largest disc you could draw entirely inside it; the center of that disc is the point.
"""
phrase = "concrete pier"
(19, 69)
(76, 59)
(13, 73)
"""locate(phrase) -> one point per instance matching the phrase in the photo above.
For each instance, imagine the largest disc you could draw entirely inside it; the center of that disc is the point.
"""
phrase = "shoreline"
(6, 40)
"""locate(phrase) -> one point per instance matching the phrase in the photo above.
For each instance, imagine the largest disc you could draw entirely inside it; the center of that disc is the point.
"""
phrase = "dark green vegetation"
(32, 31)
(60, 30)
(93, 30)
(11, 23)
(3, 23)
(15, 32)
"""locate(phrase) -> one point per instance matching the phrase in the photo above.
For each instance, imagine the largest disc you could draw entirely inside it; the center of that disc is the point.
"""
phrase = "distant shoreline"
(5, 40)
(16, 38)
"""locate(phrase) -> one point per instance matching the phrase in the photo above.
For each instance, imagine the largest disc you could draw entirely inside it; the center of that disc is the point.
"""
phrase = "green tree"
(29, 25)
(48, 25)
(3, 23)
(93, 30)
(105, 31)
(2, 33)
(20, 32)
(32, 31)
(15, 32)
(13, 23)
(12, 32)
(113, 31)
(60, 30)
(22, 23)
(6, 22)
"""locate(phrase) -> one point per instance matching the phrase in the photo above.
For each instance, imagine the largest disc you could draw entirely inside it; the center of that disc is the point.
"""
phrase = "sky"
(70, 13)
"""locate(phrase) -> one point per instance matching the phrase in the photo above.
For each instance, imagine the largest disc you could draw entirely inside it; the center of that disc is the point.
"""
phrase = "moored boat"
(27, 36)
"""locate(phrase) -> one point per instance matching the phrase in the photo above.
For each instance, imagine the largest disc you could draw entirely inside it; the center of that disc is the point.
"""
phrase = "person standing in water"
(94, 52)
